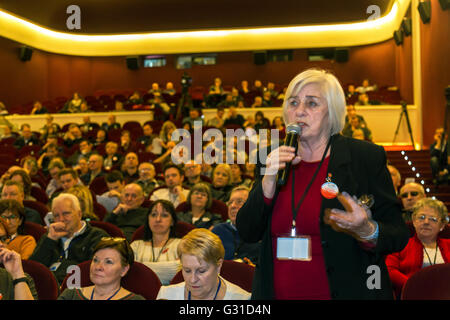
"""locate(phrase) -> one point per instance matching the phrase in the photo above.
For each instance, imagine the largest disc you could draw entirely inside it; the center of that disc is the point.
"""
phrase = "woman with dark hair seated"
(112, 259)
(200, 201)
(12, 216)
(158, 249)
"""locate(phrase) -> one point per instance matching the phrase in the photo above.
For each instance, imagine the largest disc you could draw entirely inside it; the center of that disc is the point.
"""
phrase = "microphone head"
(293, 128)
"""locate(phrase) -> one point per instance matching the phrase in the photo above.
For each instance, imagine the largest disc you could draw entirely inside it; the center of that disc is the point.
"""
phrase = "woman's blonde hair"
(331, 90)
(228, 171)
(84, 195)
(203, 244)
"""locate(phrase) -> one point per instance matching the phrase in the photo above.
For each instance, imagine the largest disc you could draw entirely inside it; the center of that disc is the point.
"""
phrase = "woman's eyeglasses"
(11, 217)
(422, 217)
(412, 193)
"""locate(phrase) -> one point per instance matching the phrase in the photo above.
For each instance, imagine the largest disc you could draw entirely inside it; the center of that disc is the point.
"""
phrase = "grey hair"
(67, 196)
(437, 205)
(331, 90)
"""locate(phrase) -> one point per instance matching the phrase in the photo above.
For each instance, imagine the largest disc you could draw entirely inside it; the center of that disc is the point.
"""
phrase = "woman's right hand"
(275, 161)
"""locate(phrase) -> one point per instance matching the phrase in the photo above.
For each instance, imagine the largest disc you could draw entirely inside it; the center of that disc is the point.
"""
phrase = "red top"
(402, 265)
(295, 279)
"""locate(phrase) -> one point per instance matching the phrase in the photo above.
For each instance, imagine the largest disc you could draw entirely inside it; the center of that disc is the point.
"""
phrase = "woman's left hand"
(355, 220)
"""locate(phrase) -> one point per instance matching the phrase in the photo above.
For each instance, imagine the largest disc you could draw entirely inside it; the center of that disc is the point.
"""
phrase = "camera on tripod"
(186, 82)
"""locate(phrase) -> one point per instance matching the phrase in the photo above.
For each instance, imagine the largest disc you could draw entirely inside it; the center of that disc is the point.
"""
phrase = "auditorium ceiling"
(137, 16)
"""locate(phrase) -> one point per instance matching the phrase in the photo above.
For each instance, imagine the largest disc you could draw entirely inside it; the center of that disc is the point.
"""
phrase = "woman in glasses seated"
(12, 213)
(202, 254)
(112, 259)
(425, 248)
(158, 249)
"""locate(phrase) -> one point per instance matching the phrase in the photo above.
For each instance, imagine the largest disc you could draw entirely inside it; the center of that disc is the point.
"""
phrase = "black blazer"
(357, 167)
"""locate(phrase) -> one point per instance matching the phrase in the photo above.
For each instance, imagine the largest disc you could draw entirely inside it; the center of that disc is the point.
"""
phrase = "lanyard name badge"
(293, 246)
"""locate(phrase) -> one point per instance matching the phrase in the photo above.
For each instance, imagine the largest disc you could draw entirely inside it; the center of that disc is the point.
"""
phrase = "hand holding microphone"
(280, 160)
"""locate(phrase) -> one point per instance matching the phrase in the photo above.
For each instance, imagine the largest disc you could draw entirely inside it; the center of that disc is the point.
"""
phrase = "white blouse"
(165, 262)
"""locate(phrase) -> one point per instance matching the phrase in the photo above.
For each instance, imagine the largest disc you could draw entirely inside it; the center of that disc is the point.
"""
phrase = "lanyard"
(162, 249)
(295, 209)
(93, 290)
(217, 291)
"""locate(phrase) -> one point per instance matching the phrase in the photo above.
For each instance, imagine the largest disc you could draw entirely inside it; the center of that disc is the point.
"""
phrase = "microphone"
(293, 131)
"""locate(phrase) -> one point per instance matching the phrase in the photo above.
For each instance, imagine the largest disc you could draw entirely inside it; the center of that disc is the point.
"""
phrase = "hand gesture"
(12, 262)
(122, 208)
(355, 220)
(57, 230)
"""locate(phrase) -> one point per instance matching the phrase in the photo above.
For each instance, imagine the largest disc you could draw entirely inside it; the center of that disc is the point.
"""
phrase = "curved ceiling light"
(336, 35)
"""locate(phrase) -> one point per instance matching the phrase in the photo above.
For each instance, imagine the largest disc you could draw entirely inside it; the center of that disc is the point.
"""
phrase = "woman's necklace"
(93, 290)
(428, 256)
(162, 249)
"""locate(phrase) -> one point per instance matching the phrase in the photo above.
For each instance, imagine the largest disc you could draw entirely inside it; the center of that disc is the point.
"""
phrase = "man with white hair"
(69, 240)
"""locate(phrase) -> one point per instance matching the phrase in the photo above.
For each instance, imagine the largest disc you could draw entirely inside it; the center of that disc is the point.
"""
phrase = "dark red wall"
(435, 69)
(48, 75)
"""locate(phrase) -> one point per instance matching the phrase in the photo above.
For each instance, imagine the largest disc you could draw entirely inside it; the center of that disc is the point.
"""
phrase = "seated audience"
(199, 200)
(38, 108)
(174, 191)
(365, 87)
(147, 179)
(84, 196)
(13, 215)
(46, 158)
(202, 250)
(259, 103)
(217, 121)
(410, 193)
(111, 198)
(95, 165)
(27, 137)
(169, 89)
(235, 248)
(73, 136)
(50, 128)
(147, 138)
(69, 240)
(396, 177)
(74, 104)
(130, 167)
(110, 123)
(425, 248)
(126, 144)
(234, 118)
(15, 190)
(112, 157)
(135, 98)
(54, 167)
(158, 249)
(85, 151)
(439, 157)
(111, 261)
(355, 130)
(14, 283)
(237, 171)
(222, 179)
(129, 214)
(192, 173)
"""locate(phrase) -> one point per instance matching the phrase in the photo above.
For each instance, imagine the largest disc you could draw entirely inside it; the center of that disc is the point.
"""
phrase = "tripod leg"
(409, 127)
(398, 125)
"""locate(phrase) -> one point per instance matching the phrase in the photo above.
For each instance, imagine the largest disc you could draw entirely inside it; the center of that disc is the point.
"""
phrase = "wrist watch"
(19, 280)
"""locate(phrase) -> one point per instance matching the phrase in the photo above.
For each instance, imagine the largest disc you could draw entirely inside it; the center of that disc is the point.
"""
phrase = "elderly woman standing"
(201, 253)
(425, 248)
(318, 243)
(112, 259)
